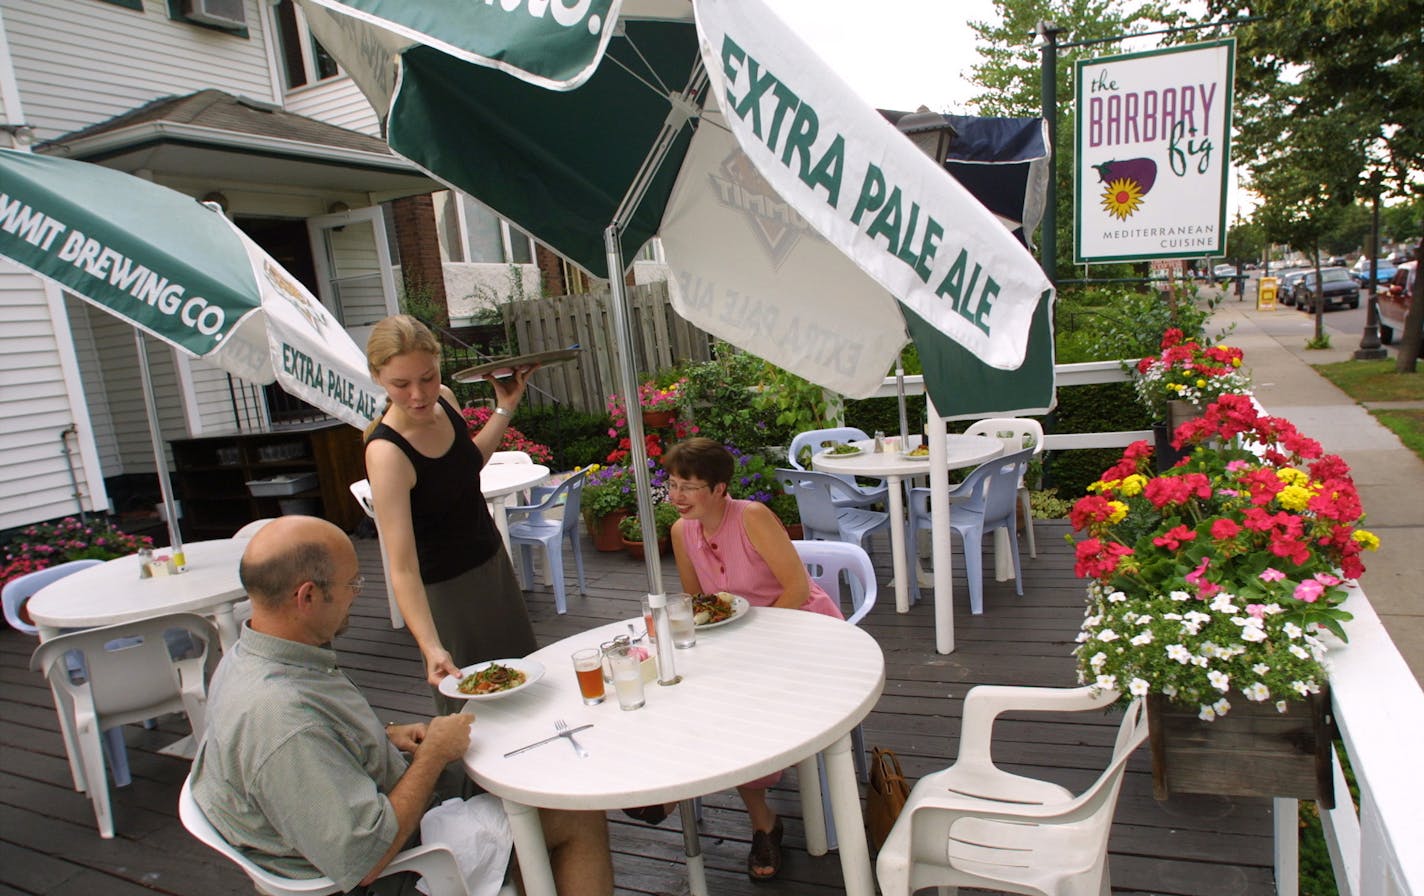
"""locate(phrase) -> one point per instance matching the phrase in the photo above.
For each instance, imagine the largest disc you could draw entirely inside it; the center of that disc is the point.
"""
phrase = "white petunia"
(1222, 604)
(1221, 706)
(1257, 692)
(1180, 596)
(1106, 682)
(1097, 661)
(1116, 597)
(1253, 633)
(1300, 652)
(1083, 636)
(1260, 668)
(1137, 687)
(1107, 634)
(1179, 653)
(1207, 714)
(1301, 688)
(1170, 690)
(1282, 706)
(1292, 630)
(1144, 638)
(1219, 680)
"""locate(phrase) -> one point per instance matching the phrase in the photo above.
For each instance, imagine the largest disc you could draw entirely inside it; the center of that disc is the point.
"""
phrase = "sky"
(897, 54)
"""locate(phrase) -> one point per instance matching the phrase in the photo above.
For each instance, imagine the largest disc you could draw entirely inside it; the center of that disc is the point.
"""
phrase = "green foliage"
(1046, 505)
(725, 398)
(606, 490)
(49, 544)
(419, 301)
(664, 515)
(1102, 407)
(798, 403)
(577, 438)
(1319, 341)
(883, 414)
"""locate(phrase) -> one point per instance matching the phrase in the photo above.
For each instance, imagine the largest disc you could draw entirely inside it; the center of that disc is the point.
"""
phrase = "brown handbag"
(885, 797)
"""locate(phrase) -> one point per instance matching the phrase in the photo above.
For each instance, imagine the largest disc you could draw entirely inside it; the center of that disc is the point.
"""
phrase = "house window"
(220, 15)
(470, 232)
(304, 60)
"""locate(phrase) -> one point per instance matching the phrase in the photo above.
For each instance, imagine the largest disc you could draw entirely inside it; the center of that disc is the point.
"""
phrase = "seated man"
(295, 769)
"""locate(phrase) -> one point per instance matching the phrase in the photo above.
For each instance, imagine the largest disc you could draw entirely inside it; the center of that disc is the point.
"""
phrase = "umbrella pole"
(900, 388)
(160, 460)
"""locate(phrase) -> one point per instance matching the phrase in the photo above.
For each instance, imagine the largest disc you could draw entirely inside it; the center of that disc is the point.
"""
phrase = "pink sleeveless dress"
(727, 562)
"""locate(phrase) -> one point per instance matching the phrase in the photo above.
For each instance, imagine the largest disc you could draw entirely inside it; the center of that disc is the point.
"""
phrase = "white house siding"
(122, 392)
(80, 62)
(91, 374)
(336, 101)
(35, 409)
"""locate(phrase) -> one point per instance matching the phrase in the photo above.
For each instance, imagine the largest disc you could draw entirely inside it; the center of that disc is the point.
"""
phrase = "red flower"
(1224, 529)
(1174, 538)
(1097, 559)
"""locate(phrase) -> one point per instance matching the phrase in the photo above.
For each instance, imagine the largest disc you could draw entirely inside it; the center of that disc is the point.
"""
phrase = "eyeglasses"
(355, 585)
(683, 488)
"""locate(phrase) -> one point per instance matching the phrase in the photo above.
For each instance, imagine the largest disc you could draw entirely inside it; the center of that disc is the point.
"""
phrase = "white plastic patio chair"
(510, 457)
(1016, 433)
(16, 592)
(529, 528)
(434, 862)
(825, 562)
(131, 675)
(821, 517)
(983, 502)
(361, 488)
(817, 440)
(975, 825)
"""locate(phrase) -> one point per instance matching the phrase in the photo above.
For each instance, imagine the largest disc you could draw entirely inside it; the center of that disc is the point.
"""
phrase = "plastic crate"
(287, 484)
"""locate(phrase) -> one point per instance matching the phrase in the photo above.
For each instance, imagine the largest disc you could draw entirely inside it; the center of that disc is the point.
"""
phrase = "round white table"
(816, 679)
(112, 592)
(963, 451)
(499, 481)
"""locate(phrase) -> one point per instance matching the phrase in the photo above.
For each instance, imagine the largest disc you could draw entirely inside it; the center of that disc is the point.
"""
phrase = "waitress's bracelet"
(502, 412)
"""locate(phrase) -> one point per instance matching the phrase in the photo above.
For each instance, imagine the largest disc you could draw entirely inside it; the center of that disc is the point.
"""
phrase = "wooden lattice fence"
(661, 338)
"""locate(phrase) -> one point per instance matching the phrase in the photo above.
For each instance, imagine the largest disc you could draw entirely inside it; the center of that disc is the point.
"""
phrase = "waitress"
(451, 574)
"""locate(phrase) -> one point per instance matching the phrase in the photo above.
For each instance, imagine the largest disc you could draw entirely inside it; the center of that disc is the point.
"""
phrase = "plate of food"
(506, 366)
(492, 680)
(921, 452)
(842, 450)
(712, 610)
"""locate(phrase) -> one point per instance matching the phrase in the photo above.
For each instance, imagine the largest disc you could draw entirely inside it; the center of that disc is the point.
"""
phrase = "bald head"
(288, 551)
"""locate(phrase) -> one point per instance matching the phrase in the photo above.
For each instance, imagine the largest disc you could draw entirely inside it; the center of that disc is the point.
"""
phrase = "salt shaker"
(145, 562)
(667, 666)
(879, 442)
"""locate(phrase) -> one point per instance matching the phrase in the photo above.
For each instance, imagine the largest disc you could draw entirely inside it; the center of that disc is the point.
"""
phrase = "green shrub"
(577, 438)
(1102, 407)
(724, 394)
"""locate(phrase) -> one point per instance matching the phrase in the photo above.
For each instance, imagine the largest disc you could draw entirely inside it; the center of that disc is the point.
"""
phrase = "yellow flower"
(1366, 539)
(1293, 476)
(1235, 362)
(1118, 511)
(1201, 384)
(1133, 485)
(1101, 486)
(1294, 497)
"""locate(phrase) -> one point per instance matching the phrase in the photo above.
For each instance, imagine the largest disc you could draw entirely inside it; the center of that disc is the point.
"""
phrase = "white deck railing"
(1379, 707)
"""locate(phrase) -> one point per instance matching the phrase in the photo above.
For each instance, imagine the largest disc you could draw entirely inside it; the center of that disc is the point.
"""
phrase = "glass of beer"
(588, 666)
(679, 610)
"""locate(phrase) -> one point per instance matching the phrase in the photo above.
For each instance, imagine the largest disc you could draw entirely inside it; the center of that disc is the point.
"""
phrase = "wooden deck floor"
(1190, 845)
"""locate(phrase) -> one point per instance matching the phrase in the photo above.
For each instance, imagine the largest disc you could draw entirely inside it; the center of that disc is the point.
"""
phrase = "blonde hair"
(398, 334)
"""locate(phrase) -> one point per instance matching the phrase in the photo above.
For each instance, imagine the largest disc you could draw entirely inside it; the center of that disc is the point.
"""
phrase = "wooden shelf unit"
(212, 472)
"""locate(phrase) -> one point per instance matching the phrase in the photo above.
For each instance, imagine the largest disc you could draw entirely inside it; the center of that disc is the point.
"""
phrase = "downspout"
(72, 430)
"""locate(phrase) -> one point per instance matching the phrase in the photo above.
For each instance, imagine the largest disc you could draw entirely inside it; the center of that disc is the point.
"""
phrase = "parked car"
(1223, 273)
(1285, 290)
(1361, 271)
(1394, 299)
(1337, 288)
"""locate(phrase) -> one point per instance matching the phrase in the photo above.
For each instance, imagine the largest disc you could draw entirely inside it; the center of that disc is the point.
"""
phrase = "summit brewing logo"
(738, 185)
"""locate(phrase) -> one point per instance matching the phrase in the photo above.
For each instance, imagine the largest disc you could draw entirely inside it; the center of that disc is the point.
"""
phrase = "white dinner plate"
(908, 456)
(740, 607)
(829, 453)
(533, 671)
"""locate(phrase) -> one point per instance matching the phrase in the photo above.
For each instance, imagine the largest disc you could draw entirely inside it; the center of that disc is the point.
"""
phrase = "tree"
(1334, 89)
(1011, 73)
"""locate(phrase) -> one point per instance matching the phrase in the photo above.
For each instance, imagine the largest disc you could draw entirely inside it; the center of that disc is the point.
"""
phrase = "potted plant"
(1212, 584)
(659, 406)
(1187, 376)
(608, 496)
(631, 529)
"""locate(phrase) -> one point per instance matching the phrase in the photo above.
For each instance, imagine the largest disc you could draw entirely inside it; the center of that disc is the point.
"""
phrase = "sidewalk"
(1390, 477)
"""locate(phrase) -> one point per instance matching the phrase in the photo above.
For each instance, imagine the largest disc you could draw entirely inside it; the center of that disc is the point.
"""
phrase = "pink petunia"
(1271, 574)
(1309, 591)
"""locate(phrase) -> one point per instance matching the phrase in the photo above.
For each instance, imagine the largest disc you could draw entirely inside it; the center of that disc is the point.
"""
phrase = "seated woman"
(727, 544)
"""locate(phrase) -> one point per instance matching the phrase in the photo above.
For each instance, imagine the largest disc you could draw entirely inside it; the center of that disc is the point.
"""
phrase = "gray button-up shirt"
(295, 768)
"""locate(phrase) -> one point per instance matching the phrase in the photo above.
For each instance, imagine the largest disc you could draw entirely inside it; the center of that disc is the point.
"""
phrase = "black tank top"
(454, 531)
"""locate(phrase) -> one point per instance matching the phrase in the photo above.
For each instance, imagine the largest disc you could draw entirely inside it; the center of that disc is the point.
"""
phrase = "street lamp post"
(1370, 347)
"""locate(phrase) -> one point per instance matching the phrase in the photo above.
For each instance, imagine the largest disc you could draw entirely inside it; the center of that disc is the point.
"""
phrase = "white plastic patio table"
(113, 592)
(499, 481)
(760, 694)
(963, 451)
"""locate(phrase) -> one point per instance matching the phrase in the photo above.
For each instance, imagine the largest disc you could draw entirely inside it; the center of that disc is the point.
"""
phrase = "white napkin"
(477, 831)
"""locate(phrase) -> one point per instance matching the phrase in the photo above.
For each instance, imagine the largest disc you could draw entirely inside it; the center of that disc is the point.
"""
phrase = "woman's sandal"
(653, 815)
(765, 853)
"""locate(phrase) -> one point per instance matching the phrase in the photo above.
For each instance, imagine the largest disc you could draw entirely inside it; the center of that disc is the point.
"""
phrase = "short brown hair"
(270, 580)
(700, 458)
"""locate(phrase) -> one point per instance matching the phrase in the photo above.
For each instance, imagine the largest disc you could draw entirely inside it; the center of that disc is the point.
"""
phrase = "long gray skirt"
(480, 616)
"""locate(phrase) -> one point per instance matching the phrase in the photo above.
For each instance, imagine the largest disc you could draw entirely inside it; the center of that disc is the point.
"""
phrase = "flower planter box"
(1253, 750)
(658, 419)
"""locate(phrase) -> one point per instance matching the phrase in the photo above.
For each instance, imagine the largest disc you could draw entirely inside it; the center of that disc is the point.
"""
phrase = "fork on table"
(563, 728)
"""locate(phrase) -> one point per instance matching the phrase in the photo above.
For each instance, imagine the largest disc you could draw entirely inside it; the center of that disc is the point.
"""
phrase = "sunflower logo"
(1128, 182)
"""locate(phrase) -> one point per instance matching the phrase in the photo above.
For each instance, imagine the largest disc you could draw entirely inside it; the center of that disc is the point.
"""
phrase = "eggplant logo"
(1128, 181)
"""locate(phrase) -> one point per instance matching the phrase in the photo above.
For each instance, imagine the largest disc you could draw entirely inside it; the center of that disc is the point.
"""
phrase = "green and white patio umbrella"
(180, 271)
(797, 222)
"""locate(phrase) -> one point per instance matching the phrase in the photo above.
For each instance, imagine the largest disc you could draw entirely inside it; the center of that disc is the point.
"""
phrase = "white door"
(355, 279)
